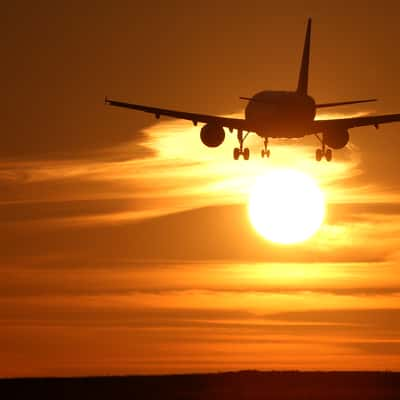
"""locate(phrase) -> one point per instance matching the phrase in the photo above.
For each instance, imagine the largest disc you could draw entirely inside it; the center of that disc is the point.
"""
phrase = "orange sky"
(125, 243)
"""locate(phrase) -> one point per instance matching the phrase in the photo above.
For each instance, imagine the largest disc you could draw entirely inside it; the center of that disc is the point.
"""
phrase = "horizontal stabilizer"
(253, 99)
(249, 99)
(344, 103)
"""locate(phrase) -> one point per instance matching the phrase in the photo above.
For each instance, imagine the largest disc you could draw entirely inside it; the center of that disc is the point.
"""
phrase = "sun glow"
(286, 206)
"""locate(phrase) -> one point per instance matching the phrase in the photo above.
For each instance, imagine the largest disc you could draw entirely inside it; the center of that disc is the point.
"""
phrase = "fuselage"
(280, 114)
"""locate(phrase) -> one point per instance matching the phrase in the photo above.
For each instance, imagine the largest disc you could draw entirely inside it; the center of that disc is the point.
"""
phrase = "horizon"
(249, 371)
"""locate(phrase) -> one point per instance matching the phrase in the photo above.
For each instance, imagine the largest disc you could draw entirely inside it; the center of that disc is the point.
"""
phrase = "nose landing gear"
(265, 152)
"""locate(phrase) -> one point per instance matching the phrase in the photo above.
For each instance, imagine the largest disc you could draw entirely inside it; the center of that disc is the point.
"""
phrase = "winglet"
(302, 86)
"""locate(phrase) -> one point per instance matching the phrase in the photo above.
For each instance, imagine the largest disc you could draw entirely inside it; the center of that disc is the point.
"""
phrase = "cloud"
(212, 233)
(178, 159)
(381, 348)
(386, 319)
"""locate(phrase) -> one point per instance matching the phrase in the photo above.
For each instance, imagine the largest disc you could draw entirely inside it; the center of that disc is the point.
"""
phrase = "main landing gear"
(237, 152)
(245, 152)
(320, 153)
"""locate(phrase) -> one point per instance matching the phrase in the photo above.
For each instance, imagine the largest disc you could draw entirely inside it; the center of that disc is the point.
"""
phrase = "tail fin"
(305, 61)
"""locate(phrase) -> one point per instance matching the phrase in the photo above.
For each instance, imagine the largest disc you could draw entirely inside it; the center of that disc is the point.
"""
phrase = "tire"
(318, 154)
(262, 153)
(236, 153)
(268, 153)
(246, 153)
(328, 155)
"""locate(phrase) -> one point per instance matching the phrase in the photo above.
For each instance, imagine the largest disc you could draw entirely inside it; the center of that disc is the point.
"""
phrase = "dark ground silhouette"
(239, 385)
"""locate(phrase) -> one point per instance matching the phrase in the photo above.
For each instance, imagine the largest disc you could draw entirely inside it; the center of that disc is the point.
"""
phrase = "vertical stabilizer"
(302, 86)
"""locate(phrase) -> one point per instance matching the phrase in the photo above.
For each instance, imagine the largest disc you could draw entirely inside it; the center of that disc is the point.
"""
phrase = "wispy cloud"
(157, 255)
(181, 174)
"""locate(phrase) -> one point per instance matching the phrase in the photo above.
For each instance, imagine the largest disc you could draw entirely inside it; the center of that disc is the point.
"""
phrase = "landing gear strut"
(237, 152)
(265, 152)
(320, 153)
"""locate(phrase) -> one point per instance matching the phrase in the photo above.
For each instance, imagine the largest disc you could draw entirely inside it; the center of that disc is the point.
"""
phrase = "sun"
(286, 206)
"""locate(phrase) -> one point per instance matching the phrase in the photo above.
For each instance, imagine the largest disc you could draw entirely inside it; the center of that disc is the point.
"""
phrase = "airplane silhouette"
(276, 114)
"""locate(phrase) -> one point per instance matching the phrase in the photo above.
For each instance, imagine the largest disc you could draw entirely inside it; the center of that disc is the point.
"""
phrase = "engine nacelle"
(336, 138)
(212, 135)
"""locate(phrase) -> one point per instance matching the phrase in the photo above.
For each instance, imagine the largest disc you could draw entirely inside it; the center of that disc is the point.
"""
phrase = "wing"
(348, 123)
(231, 123)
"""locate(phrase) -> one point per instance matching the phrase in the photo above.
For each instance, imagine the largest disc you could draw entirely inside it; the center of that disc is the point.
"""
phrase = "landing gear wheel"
(328, 155)
(237, 152)
(265, 152)
(323, 152)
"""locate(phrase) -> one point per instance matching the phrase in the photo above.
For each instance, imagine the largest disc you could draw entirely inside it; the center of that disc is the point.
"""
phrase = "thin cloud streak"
(130, 251)
(182, 168)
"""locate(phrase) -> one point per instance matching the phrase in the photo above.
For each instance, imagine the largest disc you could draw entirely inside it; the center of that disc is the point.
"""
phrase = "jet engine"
(336, 138)
(212, 135)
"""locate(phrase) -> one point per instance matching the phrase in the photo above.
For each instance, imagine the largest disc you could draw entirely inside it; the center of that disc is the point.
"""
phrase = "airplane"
(276, 114)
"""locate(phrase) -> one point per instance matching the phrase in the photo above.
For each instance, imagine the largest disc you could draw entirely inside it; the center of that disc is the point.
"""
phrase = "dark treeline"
(235, 385)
